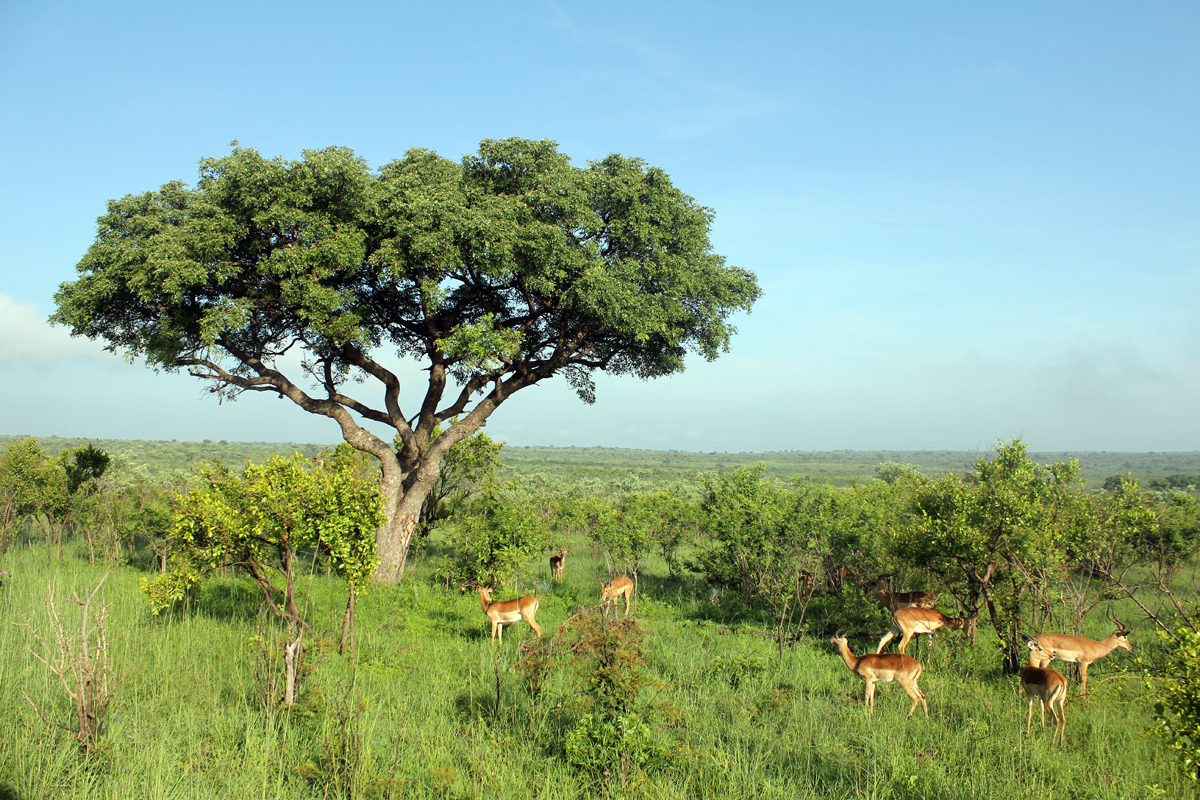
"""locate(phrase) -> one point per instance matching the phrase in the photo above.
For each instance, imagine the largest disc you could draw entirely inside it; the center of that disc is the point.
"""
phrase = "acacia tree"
(496, 273)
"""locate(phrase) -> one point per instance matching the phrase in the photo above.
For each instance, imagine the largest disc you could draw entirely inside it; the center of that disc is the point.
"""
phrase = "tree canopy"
(496, 272)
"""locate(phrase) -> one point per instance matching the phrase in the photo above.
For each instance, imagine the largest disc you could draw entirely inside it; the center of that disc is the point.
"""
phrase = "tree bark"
(291, 660)
(404, 488)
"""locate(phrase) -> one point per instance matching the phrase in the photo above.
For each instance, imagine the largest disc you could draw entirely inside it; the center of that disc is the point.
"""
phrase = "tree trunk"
(89, 533)
(392, 545)
(291, 660)
(402, 511)
(406, 478)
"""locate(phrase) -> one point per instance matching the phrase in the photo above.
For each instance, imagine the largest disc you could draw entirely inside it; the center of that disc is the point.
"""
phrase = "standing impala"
(883, 668)
(893, 601)
(1081, 650)
(1045, 686)
(507, 612)
(913, 621)
(611, 591)
(556, 564)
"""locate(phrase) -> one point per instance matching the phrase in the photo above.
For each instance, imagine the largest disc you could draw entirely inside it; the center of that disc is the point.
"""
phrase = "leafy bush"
(1177, 702)
(620, 748)
(499, 534)
(613, 741)
(736, 669)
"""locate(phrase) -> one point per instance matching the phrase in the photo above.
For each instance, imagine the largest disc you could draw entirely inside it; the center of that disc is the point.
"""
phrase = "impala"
(556, 564)
(913, 621)
(507, 612)
(1081, 650)
(804, 582)
(620, 585)
(882, 668)
(1045, 686)
(894, 601)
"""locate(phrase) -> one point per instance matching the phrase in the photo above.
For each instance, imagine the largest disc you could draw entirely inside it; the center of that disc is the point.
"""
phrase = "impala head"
(1121, 633)
(486, 593)
(838, 639)
(1036, 647)
(970, 624)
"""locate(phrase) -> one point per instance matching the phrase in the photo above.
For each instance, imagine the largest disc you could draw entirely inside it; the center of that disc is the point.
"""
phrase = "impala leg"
(917, 697)
(1083, 679)
(887, 637)
(870, 698)
(1029, 719)
(1062, 717)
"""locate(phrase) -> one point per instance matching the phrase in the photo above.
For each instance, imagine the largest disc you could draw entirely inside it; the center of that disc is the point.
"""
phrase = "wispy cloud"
(28, 340)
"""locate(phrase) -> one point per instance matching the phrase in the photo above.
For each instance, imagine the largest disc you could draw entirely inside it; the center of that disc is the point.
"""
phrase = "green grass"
(419, 717)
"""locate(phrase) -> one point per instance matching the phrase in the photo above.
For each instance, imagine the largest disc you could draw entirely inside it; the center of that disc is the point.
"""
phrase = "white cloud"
(28, 340)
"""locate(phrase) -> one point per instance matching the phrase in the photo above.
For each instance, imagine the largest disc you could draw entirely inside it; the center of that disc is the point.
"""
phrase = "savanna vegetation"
(213, 631)
(617, 469)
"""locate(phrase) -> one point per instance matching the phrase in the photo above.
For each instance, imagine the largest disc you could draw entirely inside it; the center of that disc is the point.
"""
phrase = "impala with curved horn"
(611, 591)
(556, 564)
(914, 621)
(1045, 686)
(507, 612)
(1081, 650)
(883, 668)
(893, 601)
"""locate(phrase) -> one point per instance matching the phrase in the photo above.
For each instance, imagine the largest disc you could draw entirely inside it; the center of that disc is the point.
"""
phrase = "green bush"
(1177, 702)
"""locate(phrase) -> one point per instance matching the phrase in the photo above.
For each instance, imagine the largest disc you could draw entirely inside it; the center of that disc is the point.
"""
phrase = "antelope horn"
(1116, 621)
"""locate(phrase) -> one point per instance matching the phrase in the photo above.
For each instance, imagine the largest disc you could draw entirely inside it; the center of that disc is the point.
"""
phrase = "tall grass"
(419, 714)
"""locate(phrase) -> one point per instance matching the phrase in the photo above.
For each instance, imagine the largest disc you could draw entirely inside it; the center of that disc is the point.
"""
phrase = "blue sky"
(971, 221)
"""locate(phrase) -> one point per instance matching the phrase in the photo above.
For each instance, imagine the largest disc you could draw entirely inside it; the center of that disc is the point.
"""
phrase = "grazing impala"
(1081, 650)
(620, 585)
(913, 621)
(1045, 686)
(875, 667)
(893, 601)
(556, 564)
(507, 612)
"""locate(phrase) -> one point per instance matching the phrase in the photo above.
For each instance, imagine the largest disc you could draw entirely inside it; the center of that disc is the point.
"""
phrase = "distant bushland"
(605, 465)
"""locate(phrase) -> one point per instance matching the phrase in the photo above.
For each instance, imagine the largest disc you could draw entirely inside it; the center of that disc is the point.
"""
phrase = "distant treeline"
(164, 456)
(665, 467)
